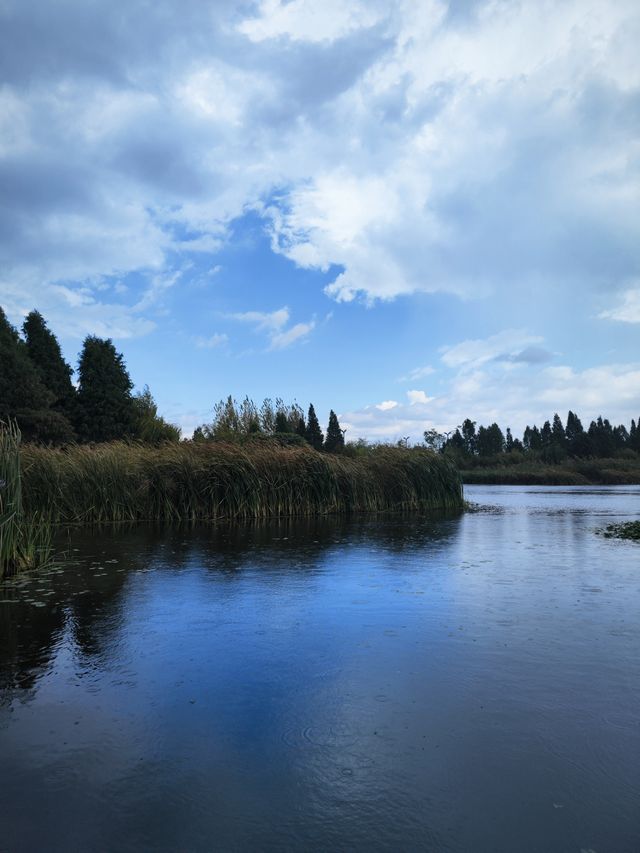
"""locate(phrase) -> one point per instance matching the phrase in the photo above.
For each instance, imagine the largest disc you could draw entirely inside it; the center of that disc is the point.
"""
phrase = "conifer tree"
(20, 385)
(508, 442)
(44, 351)
(313, 432)
(334, 442)
(282, 423)
(105, 406)
(301, 427)
(23, 395)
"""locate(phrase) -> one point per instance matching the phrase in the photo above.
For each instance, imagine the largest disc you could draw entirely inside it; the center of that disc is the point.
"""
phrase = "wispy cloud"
(212, 342)
(275, 323)
(417, 373)
(628, 308)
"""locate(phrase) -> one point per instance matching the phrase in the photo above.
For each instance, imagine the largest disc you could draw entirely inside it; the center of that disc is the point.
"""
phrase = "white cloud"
(268, 321)
(415, 397)
(274, 324)
(628, 308)
(417, 373)
(283, 339)
(418, 147)
(489, 394)
(308, 20)
(509, 346)
(387, 405)
(212, 342)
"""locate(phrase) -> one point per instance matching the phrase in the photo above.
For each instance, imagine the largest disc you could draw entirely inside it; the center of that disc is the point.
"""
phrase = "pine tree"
(508, 442)
(105, 406)
(23, 395)
(282, 423)
(313, 432)
(44, 351)
(301, 427)
(558, 436)
(334, 442)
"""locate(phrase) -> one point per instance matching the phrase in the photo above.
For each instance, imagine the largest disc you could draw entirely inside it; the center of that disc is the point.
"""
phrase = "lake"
(455, 683)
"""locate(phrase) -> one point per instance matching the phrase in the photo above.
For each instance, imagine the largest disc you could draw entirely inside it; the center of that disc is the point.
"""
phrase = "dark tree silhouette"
(105, 406)
(334, 442)
(313, 432)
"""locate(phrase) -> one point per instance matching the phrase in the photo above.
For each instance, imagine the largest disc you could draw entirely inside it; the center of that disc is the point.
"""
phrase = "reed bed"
(25, 541)
(190, 481)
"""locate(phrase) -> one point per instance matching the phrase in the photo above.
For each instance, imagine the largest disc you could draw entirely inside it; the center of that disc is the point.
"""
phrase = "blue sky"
(408, 212)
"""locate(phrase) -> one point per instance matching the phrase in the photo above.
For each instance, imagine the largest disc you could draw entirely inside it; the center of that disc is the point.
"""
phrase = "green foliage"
(21, 388)
(205, 480)
(24, 542)
(148, 425)
(433, 439)
(44, 351)
(313, 432)
(334, 441)
(105, 410)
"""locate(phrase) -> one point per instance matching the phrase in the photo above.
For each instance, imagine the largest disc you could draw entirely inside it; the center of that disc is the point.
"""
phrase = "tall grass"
(25, 542)
(195, 481)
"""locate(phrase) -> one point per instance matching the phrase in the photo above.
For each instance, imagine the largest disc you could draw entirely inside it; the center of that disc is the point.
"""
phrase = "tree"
(313, 432)
(44, 351)
(334, 442)
(105, 406)
(148, 425)
(281, 424)
(490, 441)
(433, 439)
(301, 427)
(23, 395)
(558, 436)
(508, 442)
(469, 436)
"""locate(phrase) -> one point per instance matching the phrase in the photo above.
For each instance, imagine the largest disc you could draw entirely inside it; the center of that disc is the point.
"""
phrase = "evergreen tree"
(23, 395)
(105, 406)
(469, 436)
(301, 427)
(558, 436)
(21, 388)
(313, 432)
(508, 442)
(490, 441)
(334, 441)
(44, 351)
(149, 426)
(282, 423)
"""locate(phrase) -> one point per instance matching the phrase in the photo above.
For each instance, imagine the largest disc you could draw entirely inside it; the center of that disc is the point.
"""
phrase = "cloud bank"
(476, 148)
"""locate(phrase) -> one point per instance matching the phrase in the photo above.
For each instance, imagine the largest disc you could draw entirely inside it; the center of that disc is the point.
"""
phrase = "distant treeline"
(37, 393)
(233, 421)
(552, 443)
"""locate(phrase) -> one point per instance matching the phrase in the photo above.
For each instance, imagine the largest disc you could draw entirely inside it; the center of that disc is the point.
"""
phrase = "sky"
(409, 212)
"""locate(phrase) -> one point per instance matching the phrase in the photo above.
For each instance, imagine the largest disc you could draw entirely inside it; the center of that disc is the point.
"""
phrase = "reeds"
(211, 480)
(25, 542)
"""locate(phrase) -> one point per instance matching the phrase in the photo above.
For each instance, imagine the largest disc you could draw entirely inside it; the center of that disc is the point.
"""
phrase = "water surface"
(466, 683)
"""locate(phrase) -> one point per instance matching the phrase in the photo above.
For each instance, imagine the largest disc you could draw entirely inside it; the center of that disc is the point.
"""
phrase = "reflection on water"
(465, 683)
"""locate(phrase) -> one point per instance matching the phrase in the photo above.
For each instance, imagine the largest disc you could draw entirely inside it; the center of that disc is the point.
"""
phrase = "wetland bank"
(428, 682)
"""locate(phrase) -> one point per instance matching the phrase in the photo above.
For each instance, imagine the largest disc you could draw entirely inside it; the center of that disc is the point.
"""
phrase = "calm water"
(453, 684)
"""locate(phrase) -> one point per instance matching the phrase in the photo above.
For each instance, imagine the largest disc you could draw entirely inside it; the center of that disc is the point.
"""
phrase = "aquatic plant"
(25, 542)
(623, 530)
(201, 480)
